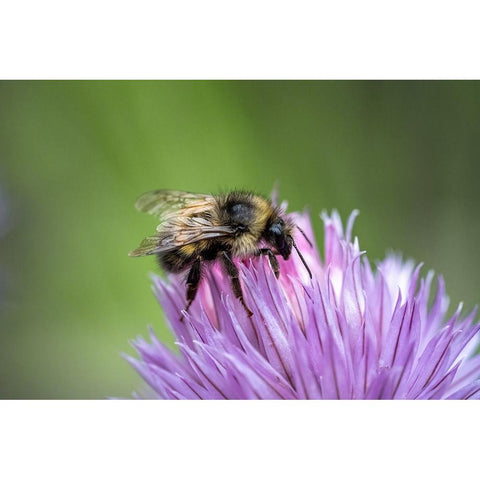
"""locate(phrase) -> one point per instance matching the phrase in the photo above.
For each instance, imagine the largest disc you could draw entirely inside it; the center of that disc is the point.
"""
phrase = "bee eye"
(277, 227)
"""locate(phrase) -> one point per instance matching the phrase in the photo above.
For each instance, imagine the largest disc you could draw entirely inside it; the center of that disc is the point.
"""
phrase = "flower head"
(351, 332)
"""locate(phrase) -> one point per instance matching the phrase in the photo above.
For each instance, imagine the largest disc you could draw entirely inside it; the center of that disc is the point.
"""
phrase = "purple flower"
(352, 332)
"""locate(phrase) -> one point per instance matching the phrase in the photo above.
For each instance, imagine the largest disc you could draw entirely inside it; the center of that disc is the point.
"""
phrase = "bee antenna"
(305, 236)
(301, 257)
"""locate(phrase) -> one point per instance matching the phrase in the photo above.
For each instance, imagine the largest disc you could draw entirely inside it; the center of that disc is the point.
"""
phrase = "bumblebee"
(195, 229)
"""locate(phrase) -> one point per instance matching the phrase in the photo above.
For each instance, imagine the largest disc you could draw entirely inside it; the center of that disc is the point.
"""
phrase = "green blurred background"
(75, 155)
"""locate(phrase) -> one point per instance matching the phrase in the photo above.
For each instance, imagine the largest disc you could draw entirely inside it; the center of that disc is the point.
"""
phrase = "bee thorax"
(244, 245)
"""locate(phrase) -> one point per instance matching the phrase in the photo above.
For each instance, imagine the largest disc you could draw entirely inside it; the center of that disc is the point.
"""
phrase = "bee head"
(278, 234)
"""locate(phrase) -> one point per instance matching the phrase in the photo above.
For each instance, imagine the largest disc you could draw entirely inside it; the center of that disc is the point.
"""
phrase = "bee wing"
(163, 203)
(179, 231)
(149, 246)
(184, 230)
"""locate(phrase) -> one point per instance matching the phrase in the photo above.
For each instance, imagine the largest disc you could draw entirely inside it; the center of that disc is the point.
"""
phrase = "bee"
(196, 229)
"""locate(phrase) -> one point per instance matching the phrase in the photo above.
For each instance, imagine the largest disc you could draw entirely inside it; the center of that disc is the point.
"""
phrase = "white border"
(259, 39)
(239, 440)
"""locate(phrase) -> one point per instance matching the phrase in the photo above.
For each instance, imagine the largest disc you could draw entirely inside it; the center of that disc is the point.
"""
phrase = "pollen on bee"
(188, 250)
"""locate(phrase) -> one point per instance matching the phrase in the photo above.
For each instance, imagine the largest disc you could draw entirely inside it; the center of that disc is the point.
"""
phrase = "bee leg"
(232, 272)
(193, 280)
(272, 259)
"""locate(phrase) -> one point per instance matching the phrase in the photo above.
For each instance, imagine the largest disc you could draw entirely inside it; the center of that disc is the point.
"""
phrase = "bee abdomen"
(177, 260)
